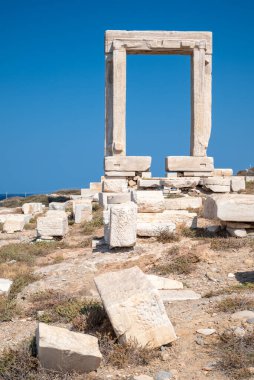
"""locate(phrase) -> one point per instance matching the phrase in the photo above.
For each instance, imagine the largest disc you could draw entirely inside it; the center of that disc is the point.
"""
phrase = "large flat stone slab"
(127, 163)
(189, 163)
(135, 308)
(63, 350)
(115, 186)
(154, 229)
(180, 182)
(32, 208)
(230, 207)
(178, 295)
(178, 217)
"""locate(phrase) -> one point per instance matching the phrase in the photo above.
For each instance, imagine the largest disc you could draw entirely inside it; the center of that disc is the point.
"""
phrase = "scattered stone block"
(135, 310)
(118, 198)
(127, 163)
(58, 206)
(217, 184)
(120, 174)
(223, 172)
(146, 175)
(237, 232)
(123, 225)
(89, 194)
(32, 208)
(198, 174)
(15, 223)
(97, 186)
(114, 186)
(237, 183)
(249, 178)
(62, 350)
(178, 295)
(178, 217)
(161, 283)
(149, 183)
(189, 163)
(82, 210)
(180, 182)
(5, 285)
(183, 203)
(154, 229)
(150, 201)
(230, 207)
(55, 223)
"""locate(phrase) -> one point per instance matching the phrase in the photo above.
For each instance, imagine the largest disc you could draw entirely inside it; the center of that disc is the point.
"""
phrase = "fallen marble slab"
(178, 295)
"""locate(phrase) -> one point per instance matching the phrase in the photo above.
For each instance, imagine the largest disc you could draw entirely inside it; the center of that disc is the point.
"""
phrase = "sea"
(7, 195)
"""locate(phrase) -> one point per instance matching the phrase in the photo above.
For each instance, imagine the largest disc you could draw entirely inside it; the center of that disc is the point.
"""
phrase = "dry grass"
(177, 262)
(68, 192)
(236, 355)
(125, 355)
(28, 252)
(249, 188)
(168, 237)
(229, 243)
(243, 288)
(88, 228)
(8, 307)
(19, 201)
(235, 303)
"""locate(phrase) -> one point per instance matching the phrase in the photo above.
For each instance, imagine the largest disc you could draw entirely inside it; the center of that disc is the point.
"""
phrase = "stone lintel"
(189, 163)
(150, 42)
(127, 163)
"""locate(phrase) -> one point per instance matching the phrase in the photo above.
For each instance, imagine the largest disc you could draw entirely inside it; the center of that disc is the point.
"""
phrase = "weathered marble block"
(154, 229)
(55, 223)
(237, 183)
(123, 225)
(62, 350)
(82, 210)
(135, 310)
(58, 206)
(32, 208)
(183, 203)
(15, 222)
(150, 201)
(223, 172)
(178, 217)
(189, 163)
(181, 182)
(230, 207)
(97, 186)
(127, 163)
(115, 186)
(217, 184)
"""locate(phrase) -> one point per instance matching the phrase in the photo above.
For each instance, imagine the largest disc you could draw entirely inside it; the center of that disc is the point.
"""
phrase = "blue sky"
(52, 87)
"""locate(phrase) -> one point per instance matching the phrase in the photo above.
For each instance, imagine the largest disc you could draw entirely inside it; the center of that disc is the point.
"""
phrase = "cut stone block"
(82, 210)
(89, 194)
(146, 175)
(189, 163)
(57, 206)
(118, 198)
(237, 232)
(181, 182)
(15, 223)
(217, 184)
(32, 208)
(5, 285)
(62, 350)
(183, 203)
(249, 178)
(154, 229)
(97, 186)
(171, 174)
(150, 201)
(120, 174)
(178, 295)
(127, 163)
(164, 283)
(123, 225)
(135, 310)
(237, 183)
(55, 223)
(115, 186)
(178, 217)
(198, 174)
(230, 207)
(149, 183)
(223, 172)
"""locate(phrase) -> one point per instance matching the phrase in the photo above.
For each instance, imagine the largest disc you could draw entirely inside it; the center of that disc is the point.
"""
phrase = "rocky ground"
(54, 281)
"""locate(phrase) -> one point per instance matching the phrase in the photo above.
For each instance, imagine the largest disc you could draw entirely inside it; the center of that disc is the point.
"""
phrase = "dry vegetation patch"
(236, 355)
(88, 228)
(235, 303)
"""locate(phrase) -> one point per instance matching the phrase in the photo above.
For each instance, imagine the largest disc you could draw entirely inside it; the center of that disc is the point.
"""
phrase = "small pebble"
(163, 375)
(239, 331)
(206, 332)
(250, 320)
